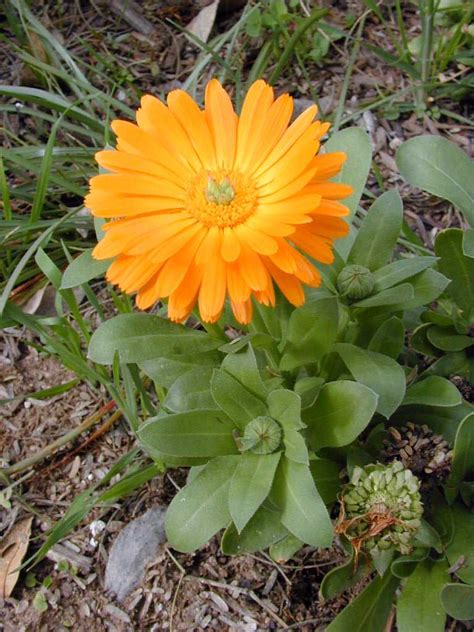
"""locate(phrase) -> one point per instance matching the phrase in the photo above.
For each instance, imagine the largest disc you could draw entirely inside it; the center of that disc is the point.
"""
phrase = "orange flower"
(205, 204)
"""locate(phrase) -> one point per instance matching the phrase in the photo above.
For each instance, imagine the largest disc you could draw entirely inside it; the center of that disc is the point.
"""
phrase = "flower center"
(221, 198)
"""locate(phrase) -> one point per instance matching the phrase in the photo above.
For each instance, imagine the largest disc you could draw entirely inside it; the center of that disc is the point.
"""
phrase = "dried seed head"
(422, 451)
(381, 509)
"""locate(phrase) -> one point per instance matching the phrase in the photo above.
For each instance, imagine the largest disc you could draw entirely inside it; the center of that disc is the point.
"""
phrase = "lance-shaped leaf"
(438, 166)
(401, 270)
(377, 371)
(235, 400)
(201, 508)
(389, 338)
(250, 485)
(303, 511)
(463, 457)
(369, 610)
(263, 529)
(83, 269)
(285, 406)
(419, 607)
(433, 391)
(458, 601)
(191, 391)
(200, 433)
(243, 367)
(460, 548)
(165, 371)
(140, 337)
(312, 330)
(342, 410)
(378, 233)
(456, 266)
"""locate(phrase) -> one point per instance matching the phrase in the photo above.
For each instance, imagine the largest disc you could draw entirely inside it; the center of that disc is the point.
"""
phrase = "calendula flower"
(205, 204)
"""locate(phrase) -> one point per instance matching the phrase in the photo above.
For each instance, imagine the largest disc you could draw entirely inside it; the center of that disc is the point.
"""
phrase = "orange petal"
(242, 311)
(230, 249)
(254, 112)
(332, 227)
(155, 118)
(194, 122)
(328, 165)
(330, 190)
(317, 247)
(252, 269)
(210, 246)
(177, 266)
(222, 122)
(289, 285)
(257, 240)
(183, 299)
(292, 134)
(239, 290)
(122, 162)
(212, 290)
(134, 140)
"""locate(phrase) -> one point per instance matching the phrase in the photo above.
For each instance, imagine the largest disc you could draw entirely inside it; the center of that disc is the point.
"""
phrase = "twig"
(130, 11)
(55, 445)
(92, 437)
(299, 624)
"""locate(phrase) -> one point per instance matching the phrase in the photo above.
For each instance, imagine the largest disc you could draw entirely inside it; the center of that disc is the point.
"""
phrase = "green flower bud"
(355, 282)
(262, 436)
(382, 508)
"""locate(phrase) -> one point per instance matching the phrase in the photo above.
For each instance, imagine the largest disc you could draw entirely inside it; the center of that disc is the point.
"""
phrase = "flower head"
(205, 204)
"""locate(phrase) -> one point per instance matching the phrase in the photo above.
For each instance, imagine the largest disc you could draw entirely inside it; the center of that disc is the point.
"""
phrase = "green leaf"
(308, 389)
(200, 509)
(250, 485)
(443, 420)
(389, 338)
(311, 332)
(419, 607)
(369, 610)
(400, 270)
(433, 391)
(427, 286)
(140, 337)
(191, 391)
(165, 371)
(438, 166)
(342, 410)
(356, 144)
(405, 565)
(468, 242)
(390, 296)
(463, 457)
(284, 549)
(285, 406)
(458, 601)
(427, 537)
(235, 400)
(261, 532)
(83, 269)
(326, 475)
(456, 266)
(379, 232)
(303, 511)
(379, 372)
(200, 433)
(447, 339)
(243, 367)
(343, 577)
(419, 340)
(461, 545)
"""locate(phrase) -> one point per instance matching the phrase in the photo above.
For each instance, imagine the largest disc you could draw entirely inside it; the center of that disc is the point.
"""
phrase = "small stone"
(135, 547)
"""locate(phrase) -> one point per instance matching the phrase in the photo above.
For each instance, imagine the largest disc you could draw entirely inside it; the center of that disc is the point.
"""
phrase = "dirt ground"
(205, 590)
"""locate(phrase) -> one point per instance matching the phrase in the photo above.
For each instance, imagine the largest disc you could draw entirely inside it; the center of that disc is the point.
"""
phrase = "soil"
(205, 590)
